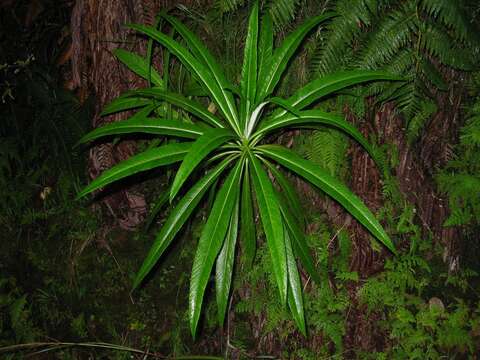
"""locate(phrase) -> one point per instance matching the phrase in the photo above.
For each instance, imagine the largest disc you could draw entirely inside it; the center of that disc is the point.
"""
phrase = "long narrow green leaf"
(330, 186)
(146, 125)
(329, 84)
(295, 298)
(247, 233)
(147, 160)
(282, 55)
(196, 67)
(146, 111)
(272, 224)
(124, 103)
(294, 219)
(224, 267)
(149, 56)
(138, 65)
(248, 83)
(290, 194)
(210, 243)
(265, 46)
(202, 52)
(188, 105)
(313, 119)
(299, 243)
(177, 219)
(205, 144)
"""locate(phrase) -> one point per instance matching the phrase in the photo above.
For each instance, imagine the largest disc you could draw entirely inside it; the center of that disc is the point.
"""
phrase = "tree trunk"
(417, 164)
(98, 27)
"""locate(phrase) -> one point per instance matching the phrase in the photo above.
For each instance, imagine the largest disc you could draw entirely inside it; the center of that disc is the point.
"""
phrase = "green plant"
(424, 318)
(235, 139)
(461, 177)
(418, 39)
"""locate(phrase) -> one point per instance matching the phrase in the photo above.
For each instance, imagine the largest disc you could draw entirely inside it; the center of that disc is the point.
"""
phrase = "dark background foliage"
(66, 267)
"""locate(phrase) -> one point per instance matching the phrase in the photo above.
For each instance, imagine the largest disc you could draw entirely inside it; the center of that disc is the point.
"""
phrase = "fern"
(228, 5)
(437, 43)
(326, 148)
(450, 14)
(416, 123)
(470, 133)
(393, 34)
(460, 179)
(412, 38)
(282, 11)
(335, 50)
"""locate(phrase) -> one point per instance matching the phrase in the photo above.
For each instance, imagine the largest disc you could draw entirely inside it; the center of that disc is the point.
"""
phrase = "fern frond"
(228, 5)
(327, 148)
(450, 14)
(408, 97)
(402, 63)
(393, 35)
(417, 122)
(458, 217)
(459, 185)
(470, 134)
(335, 50)
(431, 74)
(435, 41)
(282, 11)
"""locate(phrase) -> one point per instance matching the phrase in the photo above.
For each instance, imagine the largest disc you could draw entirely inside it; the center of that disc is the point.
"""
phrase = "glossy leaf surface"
(138, 65)
(272, 224)
(330, 186)
(210, 140)
(147, 125)
(177, 219)
(248, 232)
(224, 267)
(295, 297)
(210, 243)
(147, 160)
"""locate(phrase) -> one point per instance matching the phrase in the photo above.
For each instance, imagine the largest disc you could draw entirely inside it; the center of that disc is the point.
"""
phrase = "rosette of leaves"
(228, 152)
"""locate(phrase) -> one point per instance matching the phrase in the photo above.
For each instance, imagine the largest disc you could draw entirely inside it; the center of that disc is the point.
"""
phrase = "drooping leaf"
(196, 67)
(146, 160)
(202, 52)
(329, 84)
(177, 219)
(314, 119)
(289, 193)
(330, 186)
(298, 240)
(124, 103)
(210, 243)
(138, 65)
(295, 297)
(224, 267)
(146, 125)
(188, 105)
(205, 144)
(272, 224)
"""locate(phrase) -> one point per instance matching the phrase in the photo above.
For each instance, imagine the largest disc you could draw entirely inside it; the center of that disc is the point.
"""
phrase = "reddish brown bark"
(97, 29)
(416, 167)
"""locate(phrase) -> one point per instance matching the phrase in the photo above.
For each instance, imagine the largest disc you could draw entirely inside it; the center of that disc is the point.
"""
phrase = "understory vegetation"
(68, 272)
